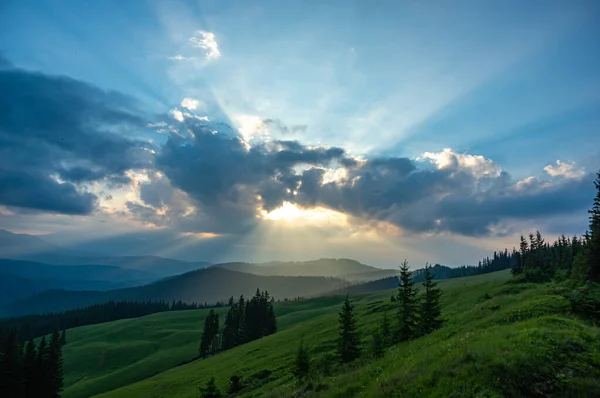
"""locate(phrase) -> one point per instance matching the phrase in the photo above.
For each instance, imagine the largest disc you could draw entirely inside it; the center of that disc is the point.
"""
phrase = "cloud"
(179, 58)
(566, 170)
(58, 135)
(190, 104)
(206, 41)
(177, 115)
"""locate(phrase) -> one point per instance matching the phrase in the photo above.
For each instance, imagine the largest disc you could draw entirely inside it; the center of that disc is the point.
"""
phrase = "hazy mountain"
(33, 248)
(13, 287)
(208, 285)
(347, 269)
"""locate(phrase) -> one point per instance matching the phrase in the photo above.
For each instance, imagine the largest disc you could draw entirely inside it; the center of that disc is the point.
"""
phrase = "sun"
(291, 213)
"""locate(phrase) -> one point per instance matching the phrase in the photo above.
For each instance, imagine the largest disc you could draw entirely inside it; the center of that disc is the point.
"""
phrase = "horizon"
(237, 131)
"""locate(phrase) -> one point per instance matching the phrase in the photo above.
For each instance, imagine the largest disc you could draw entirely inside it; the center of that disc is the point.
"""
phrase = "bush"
(235, 384)
(586, 302)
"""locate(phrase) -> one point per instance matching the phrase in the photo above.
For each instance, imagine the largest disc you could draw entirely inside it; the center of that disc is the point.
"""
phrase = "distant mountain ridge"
(206, 285)
(350, 270)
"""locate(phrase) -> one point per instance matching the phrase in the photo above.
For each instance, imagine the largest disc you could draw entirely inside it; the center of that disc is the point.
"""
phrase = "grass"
(500, 339)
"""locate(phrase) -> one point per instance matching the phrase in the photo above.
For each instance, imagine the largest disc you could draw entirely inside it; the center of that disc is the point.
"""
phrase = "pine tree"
(430, 319)
(12, 366)
(407, 299)
(44, 384)
(30, 369)
(348, 341)
(210, 390)
(210, 331)
(63, 337)
(302, 362)
(55, 365)
(593, 244)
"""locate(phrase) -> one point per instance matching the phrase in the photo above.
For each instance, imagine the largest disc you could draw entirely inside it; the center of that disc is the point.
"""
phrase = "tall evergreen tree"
(44, 384)
(348, 341)
(408, 305)
(12, 366)
(302, 362)
(63, 337)
(209, 333)
(430, 318)
(55, 365)
(30, 369)
(593, 244)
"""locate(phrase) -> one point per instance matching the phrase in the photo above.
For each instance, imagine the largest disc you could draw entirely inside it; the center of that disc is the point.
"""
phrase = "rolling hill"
(343, 268)
(208, 285)
(500, 339)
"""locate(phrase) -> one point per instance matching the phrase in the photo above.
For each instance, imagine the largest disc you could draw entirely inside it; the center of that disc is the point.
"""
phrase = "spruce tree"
(210, 390)
(593, 244)
(408, 305)
(210, 331)
(377, 345)
(55, 365)
(430, 319)
(44, 384)
(30, 369)
(302, 362)
(12, 366)
(348, 341)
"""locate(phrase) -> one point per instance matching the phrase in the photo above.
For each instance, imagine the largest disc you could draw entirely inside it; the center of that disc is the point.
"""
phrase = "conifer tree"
(30, 369)
(377, 345)
(44, 384)
(348, 341)
(210, 390)
(55, 365)
(210, 331)
(593, 244)
(302, 362)
(408, 305)
(430, 319)
(12, 366)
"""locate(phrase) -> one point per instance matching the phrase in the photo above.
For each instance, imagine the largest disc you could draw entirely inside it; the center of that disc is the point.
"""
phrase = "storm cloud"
(58, 134)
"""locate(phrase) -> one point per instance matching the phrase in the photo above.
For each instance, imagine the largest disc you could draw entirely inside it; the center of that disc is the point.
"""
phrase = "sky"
(243, 130)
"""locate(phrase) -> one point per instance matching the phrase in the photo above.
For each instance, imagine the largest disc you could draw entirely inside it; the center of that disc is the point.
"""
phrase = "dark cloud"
(56, 134)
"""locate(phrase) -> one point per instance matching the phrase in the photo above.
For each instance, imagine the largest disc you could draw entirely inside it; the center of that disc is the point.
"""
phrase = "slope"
(208, 285)
(350, 270)
(519, 342)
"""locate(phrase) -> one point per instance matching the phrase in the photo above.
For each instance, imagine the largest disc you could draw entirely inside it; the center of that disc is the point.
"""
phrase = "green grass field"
(520, 342)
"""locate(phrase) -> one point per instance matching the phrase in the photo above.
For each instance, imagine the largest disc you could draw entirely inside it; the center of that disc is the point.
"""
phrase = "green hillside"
(520, 342)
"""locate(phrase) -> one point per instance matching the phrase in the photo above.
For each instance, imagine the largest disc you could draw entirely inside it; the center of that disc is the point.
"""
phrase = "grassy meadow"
(500, 339)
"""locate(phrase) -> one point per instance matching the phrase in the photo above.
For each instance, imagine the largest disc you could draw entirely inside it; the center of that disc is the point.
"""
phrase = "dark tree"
(302, 362)
(63, 337)
(12, 366)
(210, 390)
(209, 333)
(30, 369)
(430, 318)
(348, 341)
(408, 305)
(44, 384)
(593, 243)
(55, 365)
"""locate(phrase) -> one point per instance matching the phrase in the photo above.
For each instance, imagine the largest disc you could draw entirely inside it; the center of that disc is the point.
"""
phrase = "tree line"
(576, 258)
(417, 315)
(246, 320)
(31, 371)
(33, 326)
